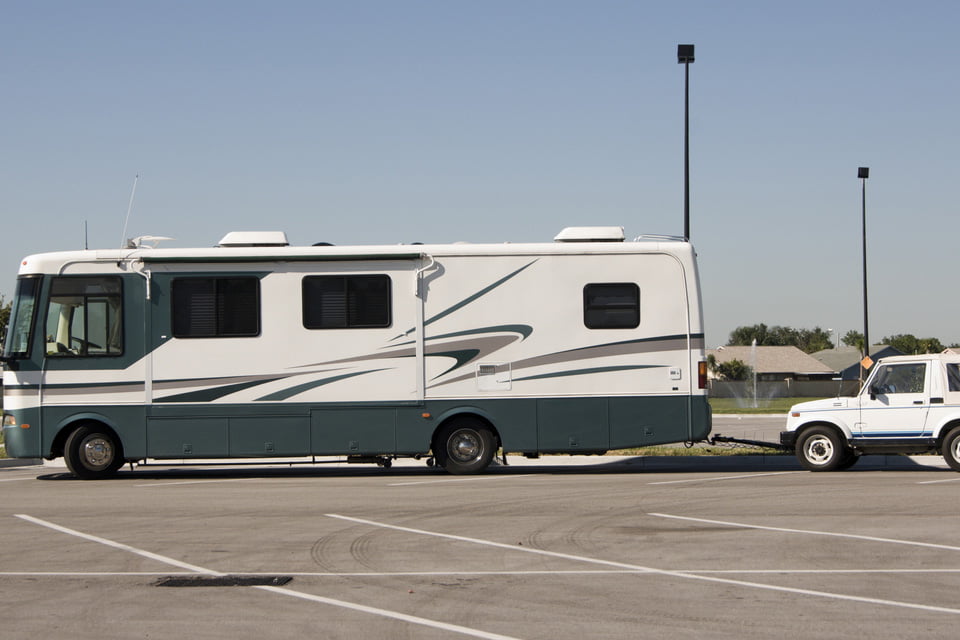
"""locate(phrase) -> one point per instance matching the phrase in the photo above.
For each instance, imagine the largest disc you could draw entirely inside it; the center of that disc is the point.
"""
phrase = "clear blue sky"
(444, 120)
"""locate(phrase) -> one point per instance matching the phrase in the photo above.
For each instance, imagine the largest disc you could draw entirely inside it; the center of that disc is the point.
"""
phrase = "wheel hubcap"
(465, 445)
(97, 451)
(819, 450)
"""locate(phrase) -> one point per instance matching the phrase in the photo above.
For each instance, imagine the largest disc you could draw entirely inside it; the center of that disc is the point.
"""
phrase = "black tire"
(822, 449)
(849, 461)
(92, 452)
(464, 446)
(951, 448)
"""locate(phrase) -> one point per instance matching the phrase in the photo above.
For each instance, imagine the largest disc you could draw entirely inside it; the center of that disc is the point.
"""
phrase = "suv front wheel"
(822, 449)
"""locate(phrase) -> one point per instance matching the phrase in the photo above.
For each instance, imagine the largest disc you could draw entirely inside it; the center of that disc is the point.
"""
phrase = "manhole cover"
(222, 581)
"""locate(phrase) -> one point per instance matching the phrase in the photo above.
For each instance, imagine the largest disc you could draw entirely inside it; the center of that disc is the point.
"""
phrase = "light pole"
(685, 57)
(863, 173)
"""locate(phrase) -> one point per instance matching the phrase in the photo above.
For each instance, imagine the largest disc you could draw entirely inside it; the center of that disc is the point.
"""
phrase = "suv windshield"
(20, 329)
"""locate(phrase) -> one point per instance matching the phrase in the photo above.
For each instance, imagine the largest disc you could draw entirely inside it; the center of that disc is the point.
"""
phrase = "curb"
(20, 462)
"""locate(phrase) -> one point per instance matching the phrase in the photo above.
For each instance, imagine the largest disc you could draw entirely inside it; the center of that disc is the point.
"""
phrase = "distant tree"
(744, 336)
(853, 339)
(729, 370)
(807, 340)
(911, 345)
(5, 307)
(811, 340)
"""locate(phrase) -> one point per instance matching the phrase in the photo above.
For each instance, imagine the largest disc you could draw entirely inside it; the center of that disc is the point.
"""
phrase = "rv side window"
(611, 306)
(221, 307)
(346, 302)
(85, 317)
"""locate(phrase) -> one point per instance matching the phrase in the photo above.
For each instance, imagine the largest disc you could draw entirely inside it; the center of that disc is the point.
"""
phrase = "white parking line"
(939, 481)
(118, 545)
(446, 480)
(714, 478)
(385, 613)
(640, 568)
(812, 532)
(468, 574)
(182, 482)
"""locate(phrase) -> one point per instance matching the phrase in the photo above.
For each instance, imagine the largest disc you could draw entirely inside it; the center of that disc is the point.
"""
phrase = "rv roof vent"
(590, 234)
(254, 239)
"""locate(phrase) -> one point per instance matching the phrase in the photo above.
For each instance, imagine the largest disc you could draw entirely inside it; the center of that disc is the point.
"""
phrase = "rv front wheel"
(92, 453)
(464, 446)
(951, 449)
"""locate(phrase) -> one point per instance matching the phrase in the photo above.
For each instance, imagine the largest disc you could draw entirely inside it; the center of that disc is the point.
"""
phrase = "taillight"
(702, 374)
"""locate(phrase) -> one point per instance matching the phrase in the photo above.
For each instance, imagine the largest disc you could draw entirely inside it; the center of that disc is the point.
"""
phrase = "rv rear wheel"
(822, 449)
(91, 453)
(951, 449)
(465, 445)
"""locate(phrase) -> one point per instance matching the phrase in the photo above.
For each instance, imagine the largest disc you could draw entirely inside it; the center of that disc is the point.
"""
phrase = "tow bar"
(721, 439)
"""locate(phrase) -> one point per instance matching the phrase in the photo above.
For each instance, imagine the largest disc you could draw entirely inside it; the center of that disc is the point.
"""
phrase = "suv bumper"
(788, 438)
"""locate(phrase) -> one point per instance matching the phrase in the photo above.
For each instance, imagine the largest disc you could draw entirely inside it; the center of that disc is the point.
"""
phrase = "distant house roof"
(846, 360)
(785, 361)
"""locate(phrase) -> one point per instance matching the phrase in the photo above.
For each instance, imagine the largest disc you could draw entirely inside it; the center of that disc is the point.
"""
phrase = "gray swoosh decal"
(642, 345)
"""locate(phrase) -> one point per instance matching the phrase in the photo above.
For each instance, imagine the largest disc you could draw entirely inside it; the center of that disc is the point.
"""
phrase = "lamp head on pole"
(684, 53)
(863, 172)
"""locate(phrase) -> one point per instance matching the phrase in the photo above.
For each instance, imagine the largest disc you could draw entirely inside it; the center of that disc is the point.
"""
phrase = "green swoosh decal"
(469, 299)
(462, 357)
(284, 394)
(209, 395)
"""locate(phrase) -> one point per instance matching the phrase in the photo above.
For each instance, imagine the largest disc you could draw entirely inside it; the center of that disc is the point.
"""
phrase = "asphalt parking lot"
(622, 548)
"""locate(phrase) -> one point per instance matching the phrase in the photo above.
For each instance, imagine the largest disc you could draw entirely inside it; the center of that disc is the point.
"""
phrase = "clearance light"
(24, 426)
(795, 414)
(702, 374)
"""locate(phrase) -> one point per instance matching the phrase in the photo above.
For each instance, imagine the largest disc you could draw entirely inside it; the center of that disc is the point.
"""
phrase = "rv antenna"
(133, 191)
(86, 237)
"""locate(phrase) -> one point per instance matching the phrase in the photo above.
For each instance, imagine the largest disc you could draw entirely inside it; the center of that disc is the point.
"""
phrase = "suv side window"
(953, 377)
(900, 378)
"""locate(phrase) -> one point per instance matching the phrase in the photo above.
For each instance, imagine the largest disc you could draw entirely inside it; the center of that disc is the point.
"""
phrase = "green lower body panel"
(211, 430)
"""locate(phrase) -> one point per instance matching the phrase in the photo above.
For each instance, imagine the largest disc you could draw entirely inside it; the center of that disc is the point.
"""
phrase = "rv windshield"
(20, 328)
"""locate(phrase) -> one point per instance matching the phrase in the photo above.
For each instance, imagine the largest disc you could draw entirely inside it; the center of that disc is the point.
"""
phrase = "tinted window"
(900, 378)
(20, 328)
(216, 307)
(611, 306)
(953, 376)
(85, 317)
(346, 302)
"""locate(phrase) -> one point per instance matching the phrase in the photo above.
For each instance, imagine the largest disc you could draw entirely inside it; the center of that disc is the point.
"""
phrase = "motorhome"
(256, 349)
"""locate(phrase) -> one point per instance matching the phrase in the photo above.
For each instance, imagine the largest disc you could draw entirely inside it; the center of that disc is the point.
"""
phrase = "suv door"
(896, 401)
